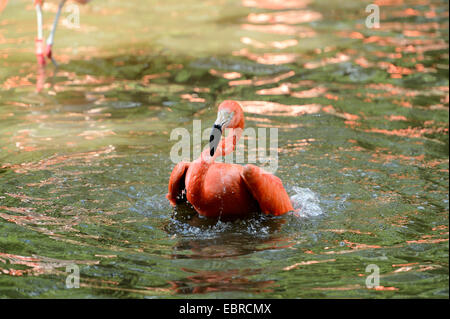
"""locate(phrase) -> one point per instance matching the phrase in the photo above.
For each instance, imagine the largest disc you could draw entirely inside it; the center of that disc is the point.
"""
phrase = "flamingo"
(45, 50)
(222, 189)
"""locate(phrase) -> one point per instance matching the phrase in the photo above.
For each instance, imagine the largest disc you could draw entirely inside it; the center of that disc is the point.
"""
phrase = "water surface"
(362, 118)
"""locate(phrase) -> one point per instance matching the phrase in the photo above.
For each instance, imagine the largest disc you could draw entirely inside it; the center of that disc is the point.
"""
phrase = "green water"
(362, 118)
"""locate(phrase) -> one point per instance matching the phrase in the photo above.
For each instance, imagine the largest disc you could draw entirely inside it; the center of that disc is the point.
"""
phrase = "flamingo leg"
(51, 37)
(39, 42)
(267, 189)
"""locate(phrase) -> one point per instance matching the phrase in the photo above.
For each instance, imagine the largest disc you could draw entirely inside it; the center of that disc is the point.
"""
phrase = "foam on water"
(305, 202)
(259, 226)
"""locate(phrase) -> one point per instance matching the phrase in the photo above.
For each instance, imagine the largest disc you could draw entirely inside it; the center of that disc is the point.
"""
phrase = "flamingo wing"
(176, 182)
(267, 189)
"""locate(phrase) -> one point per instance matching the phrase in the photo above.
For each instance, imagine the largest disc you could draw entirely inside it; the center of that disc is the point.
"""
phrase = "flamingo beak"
(214, 139)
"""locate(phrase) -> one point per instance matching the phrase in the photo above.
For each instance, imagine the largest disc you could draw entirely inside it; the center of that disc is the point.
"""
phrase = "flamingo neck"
(200, 166)
(228, 144)
(196, 176)
(206, 158)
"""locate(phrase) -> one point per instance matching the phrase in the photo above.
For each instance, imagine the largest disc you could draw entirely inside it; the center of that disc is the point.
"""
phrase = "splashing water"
(362, 119)
(305, 202)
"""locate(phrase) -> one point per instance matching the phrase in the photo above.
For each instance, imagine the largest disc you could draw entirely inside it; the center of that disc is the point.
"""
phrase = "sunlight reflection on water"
(362, 116)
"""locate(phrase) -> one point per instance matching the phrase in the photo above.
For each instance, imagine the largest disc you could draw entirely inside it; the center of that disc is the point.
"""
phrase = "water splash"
(306, 202)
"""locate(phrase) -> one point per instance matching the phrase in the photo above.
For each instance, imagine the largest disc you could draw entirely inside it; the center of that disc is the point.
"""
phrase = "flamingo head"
(229, 115)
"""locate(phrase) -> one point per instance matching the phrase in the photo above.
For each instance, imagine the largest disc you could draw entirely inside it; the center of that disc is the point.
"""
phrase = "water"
(362, 118)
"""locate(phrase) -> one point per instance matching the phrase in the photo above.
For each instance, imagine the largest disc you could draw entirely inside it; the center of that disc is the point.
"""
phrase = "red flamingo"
(227, 190)
(44, 50)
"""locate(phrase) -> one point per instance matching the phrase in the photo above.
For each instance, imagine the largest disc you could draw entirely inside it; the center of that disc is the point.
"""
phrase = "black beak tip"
(214, 138)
